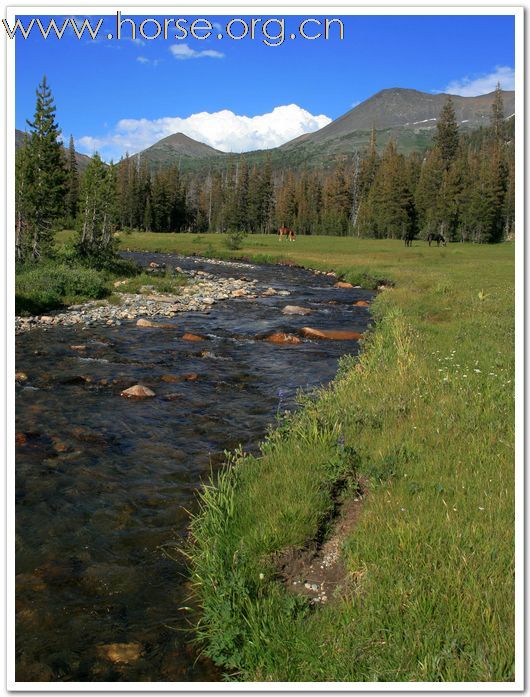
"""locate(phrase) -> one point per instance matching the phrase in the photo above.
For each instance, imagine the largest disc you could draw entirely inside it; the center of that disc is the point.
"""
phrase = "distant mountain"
(398, 108)
(82, 160)
(180, 144)
(405, 115)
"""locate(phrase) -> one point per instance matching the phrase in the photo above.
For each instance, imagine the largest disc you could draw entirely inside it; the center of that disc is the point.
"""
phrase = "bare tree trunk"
(18, 237)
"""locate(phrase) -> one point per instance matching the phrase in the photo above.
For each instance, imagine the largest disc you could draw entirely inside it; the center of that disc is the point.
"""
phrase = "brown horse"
(286, 232)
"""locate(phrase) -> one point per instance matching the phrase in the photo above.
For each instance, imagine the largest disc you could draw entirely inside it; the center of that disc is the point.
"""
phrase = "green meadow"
(423, 423)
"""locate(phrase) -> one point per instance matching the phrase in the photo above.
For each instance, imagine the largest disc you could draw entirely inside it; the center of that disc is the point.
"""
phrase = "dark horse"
(438, 238)
(408, 237)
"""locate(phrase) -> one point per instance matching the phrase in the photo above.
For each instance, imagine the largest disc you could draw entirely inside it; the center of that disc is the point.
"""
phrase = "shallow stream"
(103, 483)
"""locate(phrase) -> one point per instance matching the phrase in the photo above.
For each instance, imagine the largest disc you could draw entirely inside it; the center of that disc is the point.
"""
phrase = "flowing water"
(103, 483)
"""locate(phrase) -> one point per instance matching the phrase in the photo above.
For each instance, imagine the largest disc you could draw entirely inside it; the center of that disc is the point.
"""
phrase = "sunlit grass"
(428, 410)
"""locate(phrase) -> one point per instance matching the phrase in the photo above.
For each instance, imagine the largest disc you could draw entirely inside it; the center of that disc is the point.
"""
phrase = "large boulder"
(138, 392)
(332, 334)
(361, 303)
(343, 284)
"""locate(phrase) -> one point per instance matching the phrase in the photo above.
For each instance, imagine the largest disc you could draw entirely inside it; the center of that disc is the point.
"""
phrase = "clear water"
(103, 484)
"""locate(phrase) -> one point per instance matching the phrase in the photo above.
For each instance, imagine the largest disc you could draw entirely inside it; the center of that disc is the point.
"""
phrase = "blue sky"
(117, 96)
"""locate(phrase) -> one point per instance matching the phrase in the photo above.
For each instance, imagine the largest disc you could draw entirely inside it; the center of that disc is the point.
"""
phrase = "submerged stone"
(295, 310)
(282, 338)
(121, 653)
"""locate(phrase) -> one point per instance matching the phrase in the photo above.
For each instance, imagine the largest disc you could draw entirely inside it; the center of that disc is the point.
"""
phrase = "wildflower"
(477, 370)
(261, 577)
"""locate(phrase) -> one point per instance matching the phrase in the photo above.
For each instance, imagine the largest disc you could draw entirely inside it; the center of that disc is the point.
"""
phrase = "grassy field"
(425, 418)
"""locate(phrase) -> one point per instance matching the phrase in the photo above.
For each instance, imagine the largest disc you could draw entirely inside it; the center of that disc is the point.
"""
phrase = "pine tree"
(446, 137)
(393, 208)
(509, 204)
(45, 176)
(428, 192)
(99, 212)
(487, 198)
(286, 208)
(148, 215)
(497, 114)
(72, 189)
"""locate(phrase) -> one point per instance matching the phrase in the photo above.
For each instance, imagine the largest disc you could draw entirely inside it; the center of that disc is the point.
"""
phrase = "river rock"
(58, 445)
(269, 291)
(171, 378)
(172, 397)
(21, 438)
(190, 377)
(295, 310)
(121, 653)
(193, 337)
(333, 334)
(343, 284)
(78, 347)
(239, 293)
(361, 303)
(85, 435)
(21, 377)
(155, 325)
(138, 392)
(282, 338)
(156, 298)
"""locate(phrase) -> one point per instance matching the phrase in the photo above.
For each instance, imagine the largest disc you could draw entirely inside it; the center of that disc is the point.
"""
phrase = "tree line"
(462, 187)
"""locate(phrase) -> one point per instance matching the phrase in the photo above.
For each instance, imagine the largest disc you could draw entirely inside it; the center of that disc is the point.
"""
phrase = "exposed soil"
(318, 572)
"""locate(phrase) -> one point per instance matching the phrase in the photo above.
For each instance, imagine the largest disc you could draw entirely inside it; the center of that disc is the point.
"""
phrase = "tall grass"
(51, 285)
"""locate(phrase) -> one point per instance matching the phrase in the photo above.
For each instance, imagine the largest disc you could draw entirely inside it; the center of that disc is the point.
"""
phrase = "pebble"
(203, 290)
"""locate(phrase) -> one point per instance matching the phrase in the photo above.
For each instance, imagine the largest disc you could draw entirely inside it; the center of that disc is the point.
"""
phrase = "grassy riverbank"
(57, 283)
(425, 419)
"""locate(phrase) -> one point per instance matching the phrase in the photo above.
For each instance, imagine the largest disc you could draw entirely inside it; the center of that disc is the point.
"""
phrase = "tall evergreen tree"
(72, 189)
(99, 212)
(45, 176)
(446, 137)
(497, 114)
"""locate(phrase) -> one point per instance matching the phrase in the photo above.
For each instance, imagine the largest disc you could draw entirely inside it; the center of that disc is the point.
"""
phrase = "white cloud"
(184, 52)
(223, 130)
(148, 61)
(483, 84)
